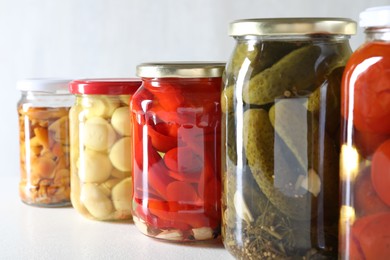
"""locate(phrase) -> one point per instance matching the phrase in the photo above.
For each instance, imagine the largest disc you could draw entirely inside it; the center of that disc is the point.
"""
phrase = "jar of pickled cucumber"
(365, 143)
(280, 104)
(101, 164)
(44, 142)
(177, 130)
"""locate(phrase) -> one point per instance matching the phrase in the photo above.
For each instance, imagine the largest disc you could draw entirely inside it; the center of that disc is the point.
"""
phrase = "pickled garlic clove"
(107, 186)
(95, 201)
(171, 235)
(311, 182)
(95, 167)
(115, 173)
(140, 225)
(125, 99)
(241, 208)
(121, 121)
(101, 106)
(121, 195)
(203, 233)
(120, 154)
(98, 134)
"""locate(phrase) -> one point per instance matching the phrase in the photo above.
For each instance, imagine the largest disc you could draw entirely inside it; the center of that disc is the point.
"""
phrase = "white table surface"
(28, 232)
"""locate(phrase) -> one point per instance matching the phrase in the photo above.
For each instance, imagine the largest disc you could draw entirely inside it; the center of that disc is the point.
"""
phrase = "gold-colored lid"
(292, 26)
(180, 69)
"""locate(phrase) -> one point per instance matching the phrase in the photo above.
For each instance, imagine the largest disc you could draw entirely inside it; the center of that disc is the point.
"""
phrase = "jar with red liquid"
(176, 165)
(365, 151)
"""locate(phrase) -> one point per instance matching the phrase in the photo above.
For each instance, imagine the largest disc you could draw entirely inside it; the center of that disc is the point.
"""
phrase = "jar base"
(64, 204)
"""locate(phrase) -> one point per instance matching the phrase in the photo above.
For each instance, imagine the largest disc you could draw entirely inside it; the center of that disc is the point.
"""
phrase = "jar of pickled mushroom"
(365, 143)
(176, 166)
(101, 164)
(280, 105)
(44, 142)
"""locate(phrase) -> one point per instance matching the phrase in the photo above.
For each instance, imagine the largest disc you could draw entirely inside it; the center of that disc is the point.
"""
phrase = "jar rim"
(293, 26)
(180, 69)
(105, 86)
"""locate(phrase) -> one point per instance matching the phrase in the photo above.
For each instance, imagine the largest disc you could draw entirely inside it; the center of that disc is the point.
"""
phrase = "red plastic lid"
(108, 86)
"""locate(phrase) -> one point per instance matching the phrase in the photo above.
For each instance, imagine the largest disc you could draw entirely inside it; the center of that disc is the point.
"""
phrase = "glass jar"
(365, 150)
(101, 164)
(176, 174)
(280, 108)
(44, 142)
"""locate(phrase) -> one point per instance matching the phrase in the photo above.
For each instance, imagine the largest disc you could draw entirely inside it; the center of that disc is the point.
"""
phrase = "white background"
(108, 38)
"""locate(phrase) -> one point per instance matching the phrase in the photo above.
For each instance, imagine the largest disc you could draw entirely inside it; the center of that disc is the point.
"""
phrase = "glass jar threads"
(176, 174)
(44, 142)
(280, 108)
(365, 150)
(101, 164)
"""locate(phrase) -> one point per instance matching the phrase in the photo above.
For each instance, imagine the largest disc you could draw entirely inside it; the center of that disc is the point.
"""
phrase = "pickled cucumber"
(310, 144)
(271, 52)
(227, 99)
(259, 148)
(289, 118)
(325, 101)
(241, 52)
(231, 138)
(294, 72)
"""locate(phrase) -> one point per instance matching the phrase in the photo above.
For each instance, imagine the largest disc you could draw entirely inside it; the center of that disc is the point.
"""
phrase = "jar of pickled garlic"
(44, 142)
(101, 164)
(365, 143)
(280, 104)
(176, 167)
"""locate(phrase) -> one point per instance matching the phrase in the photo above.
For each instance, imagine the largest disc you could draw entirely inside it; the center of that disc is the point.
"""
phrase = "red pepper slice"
(157, 222)
(188, 177)
(169, 129)
(181, 192)
(169, 96)
(183, 159)
(139, 192)
(195, 220)
(141, 100)
(162, 143)
(157, 173)
(367, 142)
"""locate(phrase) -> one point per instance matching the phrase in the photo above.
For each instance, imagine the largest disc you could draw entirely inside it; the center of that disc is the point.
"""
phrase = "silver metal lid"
(292, 26)
(180, 69)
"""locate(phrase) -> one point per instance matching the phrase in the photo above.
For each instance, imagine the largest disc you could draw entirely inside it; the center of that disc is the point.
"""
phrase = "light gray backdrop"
(108, 38)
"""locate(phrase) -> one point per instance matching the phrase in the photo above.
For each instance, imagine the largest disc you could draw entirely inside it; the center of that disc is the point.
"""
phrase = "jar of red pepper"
(365, 151)
(176, 164)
